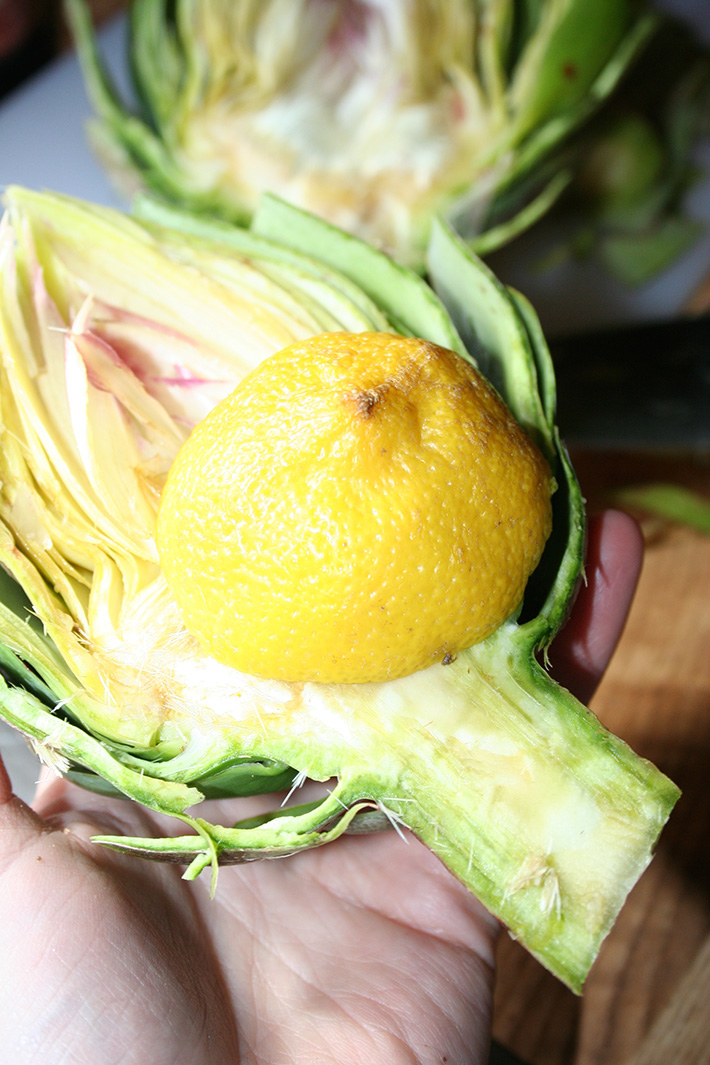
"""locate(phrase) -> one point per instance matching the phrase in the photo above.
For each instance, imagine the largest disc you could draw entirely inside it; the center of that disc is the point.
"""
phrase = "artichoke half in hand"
(375, 115)
(117, 337)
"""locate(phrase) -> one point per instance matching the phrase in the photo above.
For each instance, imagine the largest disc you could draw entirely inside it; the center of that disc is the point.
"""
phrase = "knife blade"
(636, 387)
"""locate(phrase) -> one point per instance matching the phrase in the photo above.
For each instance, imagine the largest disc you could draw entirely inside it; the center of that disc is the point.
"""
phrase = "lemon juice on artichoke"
(127, 347)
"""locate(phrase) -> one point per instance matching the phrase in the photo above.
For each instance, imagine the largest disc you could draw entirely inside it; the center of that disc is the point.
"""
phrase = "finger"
(51, 810)
(582, 651)
(5, 785)
(64, 806)
(18, 823)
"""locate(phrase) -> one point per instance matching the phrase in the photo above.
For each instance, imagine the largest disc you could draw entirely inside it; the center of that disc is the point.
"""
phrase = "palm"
(364, 951)
(292, 961)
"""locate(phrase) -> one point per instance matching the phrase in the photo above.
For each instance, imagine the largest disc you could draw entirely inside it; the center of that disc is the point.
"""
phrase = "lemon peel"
(360, 507)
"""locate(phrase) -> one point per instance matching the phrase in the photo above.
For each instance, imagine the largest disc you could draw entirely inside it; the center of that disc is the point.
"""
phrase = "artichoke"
(375, 115)
(119, 334)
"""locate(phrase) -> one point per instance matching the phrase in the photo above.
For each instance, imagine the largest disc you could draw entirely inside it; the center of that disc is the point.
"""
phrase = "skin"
(367, 951)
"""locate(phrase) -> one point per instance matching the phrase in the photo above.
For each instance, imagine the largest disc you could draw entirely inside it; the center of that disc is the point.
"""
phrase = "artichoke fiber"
(376, 115)
(117, 336)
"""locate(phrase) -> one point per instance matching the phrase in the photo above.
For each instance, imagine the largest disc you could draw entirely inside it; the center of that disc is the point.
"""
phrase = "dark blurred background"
(32, 32)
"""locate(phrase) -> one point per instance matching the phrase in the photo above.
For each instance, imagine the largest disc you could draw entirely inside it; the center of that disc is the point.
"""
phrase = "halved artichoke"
(375, 115)
(117, 335)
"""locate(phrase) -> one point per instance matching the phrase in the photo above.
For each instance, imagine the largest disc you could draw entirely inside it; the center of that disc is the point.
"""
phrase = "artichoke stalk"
(376, 115)
(117, 335)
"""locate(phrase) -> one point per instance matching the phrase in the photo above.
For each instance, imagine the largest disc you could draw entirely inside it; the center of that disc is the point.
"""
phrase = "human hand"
(367, 950)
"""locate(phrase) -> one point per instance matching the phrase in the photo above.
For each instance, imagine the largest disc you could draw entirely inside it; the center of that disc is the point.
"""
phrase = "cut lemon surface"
(360, 507)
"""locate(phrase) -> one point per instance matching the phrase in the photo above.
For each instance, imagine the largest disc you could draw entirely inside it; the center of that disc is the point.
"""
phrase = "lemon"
(360, 507)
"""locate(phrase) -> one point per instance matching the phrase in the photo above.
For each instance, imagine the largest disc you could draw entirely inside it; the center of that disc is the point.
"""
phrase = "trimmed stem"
(545, 816)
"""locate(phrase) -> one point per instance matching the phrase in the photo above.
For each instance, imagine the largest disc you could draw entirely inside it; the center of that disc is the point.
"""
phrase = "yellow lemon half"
(360, 507)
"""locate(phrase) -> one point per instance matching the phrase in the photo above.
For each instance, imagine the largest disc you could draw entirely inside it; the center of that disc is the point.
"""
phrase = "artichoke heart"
(117, 336)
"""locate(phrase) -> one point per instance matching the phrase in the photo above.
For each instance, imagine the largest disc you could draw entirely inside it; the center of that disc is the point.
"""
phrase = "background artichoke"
(375, 115)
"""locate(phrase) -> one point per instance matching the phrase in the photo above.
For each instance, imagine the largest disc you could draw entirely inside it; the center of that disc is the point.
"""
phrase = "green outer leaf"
(102, 91)
(669, 501)
(552, 587)
(490, 239)
(241, 777)
(573, 41)
(546, 383)
(500, 327)
(485, 316)
(156, 61)
(244, 776)
(131, 142)
(636, 257)
(543, 141)
(403, 296)
(247, 242)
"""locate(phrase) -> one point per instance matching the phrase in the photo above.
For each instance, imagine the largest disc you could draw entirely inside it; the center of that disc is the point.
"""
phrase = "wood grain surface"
(680, 1035)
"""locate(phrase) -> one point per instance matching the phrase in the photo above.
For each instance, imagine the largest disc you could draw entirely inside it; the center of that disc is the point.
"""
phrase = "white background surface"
(43, 145)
